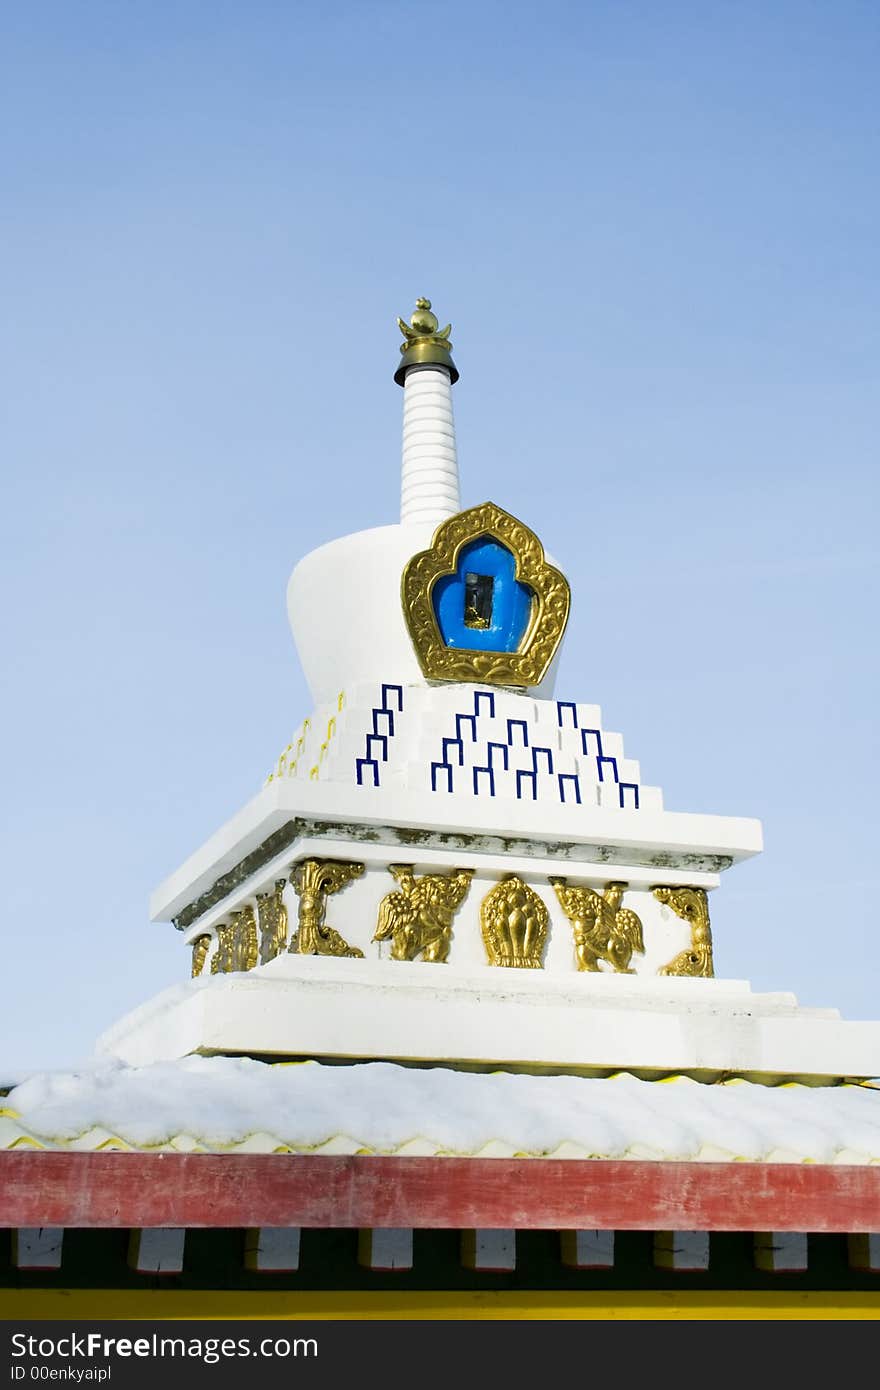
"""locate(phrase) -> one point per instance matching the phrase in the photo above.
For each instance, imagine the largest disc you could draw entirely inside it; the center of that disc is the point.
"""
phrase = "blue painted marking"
(570, 777)
(486, 695)
(466, 719)
(597, 735)
(517, 724)
(519, 781)
(441, 767)
(383, 743)
(505, 754)
(484, 772)
(453, 743)
(547, 754)
(398, 691)
(566, 704)
(360, 764)
(386, 714)
(600, 763)
(629, 787)
(511, 606)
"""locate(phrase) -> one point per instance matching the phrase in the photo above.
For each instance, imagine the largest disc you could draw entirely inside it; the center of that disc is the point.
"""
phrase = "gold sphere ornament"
(423, 321)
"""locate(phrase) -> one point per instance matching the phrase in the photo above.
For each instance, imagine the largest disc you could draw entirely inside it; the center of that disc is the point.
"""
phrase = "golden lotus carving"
(692, 905)
(551, 601)
(514, 924)
(419, 917)
(603, 929)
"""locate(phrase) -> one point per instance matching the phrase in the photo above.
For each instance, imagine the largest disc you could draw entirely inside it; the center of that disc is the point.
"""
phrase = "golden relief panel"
(273, 922)
(236, 944)
(200, 948)
(221, 961)
(418, 919)
(313, 880)
(243, 933)
(514, 922)
(603, 928)
(692, 905)
(551, 602)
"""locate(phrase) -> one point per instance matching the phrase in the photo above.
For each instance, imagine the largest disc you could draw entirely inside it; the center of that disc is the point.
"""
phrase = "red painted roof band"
(130, 1190)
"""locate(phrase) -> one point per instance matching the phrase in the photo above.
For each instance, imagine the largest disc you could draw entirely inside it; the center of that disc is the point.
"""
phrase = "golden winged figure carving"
(603, 930)
(418, 919)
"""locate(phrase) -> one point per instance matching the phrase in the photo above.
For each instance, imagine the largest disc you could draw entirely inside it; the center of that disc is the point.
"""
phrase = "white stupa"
(448, 863)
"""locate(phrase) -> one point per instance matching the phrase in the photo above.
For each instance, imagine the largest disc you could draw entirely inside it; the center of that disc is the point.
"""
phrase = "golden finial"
(425, 343)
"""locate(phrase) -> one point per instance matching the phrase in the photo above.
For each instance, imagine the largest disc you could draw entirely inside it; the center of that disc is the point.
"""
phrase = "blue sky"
(654, 228)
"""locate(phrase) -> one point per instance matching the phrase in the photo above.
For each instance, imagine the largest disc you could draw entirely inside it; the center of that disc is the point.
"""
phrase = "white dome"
(343, 601)
(345, 611)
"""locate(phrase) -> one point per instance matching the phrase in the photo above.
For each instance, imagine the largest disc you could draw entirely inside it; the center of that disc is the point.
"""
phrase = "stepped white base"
(311, 1006)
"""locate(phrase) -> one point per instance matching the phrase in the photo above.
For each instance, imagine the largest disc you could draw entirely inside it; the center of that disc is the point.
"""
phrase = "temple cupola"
(443, 595)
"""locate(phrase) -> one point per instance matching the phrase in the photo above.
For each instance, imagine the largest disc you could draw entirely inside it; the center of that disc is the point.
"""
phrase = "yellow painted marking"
(261, 1304)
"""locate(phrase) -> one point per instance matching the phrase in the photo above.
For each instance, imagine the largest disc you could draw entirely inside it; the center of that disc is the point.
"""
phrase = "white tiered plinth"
(466, 1010)
(498, 784)
(312, 1006)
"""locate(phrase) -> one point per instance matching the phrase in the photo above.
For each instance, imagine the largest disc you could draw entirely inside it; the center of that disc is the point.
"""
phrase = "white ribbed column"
(429, 482)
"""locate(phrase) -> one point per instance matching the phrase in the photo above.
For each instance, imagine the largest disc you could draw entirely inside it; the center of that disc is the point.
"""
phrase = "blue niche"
(483, 606)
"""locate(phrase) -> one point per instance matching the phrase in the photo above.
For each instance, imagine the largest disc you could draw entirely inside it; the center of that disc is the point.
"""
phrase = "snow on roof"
(223, 1104)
